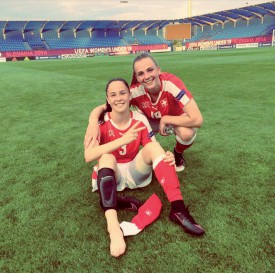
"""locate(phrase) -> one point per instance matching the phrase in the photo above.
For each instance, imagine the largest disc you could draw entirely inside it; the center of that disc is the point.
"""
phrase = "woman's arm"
(191, 119)
(92, 131)
(95, 151)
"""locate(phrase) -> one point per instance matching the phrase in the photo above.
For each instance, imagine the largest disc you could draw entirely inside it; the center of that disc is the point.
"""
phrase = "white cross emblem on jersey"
(163, 102)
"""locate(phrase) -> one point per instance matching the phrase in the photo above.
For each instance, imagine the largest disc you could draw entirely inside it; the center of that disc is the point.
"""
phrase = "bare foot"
(117, 244)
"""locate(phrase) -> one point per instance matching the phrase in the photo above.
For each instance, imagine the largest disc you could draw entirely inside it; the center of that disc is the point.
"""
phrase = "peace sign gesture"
(132, 133)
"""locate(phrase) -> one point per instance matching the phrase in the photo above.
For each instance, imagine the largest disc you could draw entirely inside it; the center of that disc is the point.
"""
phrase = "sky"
(113, 9)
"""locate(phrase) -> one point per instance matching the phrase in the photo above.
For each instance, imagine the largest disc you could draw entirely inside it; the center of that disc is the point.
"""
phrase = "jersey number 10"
(156, 115)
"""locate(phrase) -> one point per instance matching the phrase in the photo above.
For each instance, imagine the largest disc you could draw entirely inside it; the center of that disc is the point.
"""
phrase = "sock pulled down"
(147, 214)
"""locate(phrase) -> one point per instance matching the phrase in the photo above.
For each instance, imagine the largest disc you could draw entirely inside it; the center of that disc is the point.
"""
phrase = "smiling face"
(118, 96)
(147, 74)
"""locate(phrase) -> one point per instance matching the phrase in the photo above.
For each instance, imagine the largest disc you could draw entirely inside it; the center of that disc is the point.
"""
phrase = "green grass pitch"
(52, 222)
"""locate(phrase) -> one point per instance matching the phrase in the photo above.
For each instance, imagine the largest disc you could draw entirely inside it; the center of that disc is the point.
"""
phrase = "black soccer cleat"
(128, 203)
(180, 161)
(187, 222)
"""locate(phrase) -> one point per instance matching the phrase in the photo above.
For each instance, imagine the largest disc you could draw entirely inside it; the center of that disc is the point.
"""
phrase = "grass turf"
(50, 219)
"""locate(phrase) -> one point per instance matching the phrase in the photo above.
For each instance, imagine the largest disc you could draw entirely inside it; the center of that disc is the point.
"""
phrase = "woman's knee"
(185, 134)
(151, 151)
(107, 161)
(153, 147)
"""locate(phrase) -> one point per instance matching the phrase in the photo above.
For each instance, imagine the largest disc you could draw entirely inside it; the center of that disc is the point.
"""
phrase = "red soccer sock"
(180, 148)
(168, 178)
(181, 145)
(147, 214)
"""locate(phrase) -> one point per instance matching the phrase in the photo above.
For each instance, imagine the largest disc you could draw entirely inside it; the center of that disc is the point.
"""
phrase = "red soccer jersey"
(110, 132)
(172, 98)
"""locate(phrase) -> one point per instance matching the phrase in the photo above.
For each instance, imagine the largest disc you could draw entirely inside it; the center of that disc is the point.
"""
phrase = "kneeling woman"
(122, 165)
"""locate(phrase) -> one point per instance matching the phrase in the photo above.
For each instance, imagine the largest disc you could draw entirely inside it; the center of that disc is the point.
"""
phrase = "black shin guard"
(106, 184)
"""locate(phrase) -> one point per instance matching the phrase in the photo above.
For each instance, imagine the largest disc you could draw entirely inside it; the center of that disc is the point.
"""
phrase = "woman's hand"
(92, 131)
(162, 124)
(92, 135)
(132, 133)
(170, 158)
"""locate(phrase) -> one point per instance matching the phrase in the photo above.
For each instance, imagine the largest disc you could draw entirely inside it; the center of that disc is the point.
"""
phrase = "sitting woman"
(121, 164)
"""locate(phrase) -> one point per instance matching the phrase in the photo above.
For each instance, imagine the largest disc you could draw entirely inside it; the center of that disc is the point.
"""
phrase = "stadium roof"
(245, 13)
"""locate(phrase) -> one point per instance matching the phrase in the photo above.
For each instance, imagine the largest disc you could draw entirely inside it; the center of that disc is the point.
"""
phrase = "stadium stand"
(249, 21)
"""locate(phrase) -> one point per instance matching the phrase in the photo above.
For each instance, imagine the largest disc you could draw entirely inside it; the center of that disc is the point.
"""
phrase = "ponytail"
(108, 109)
(134, 79)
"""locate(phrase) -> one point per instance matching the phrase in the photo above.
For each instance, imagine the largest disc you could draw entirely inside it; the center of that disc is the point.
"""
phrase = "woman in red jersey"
(121, 164)
(165, 100)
